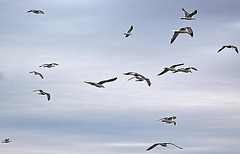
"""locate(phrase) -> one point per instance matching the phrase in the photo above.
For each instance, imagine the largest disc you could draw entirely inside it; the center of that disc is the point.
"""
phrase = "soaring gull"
(229, 46)
(41, 92)
(6, 140)
(162, 144)
(168, 120)
(36, 11)
(185, 70)
(138, 77)
(187, 30)
(100, 84)
(49, 65)
(129, 32)
(171, 68)
(188, 16)
(37, 73)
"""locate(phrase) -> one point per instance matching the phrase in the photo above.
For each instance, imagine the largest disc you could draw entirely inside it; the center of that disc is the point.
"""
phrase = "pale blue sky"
(86, 38)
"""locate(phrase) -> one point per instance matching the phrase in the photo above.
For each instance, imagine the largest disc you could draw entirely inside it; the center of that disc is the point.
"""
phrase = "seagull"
(162, 144)
(36, 11)
(168, 120)
(100, 84)
(187, 30)
(228, 46)
(6, 140)
(185, 70)
(49, 65)
(129, 32)
(188, 16)
(138, 77)
(37, 73)
(171, 68)
(41, 92)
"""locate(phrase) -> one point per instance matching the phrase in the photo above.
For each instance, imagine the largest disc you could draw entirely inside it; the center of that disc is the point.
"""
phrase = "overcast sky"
(86, 38)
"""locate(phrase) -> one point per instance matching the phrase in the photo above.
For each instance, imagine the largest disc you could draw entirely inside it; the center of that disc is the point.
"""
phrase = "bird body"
(41, 92)
(138, 77)
(6, 140)
(171, 68)
(162, 144)
(187, 30)
(228, 46)
(188, 16)
(36, 11)
(37, 73)
(100, 84)
(129, 32)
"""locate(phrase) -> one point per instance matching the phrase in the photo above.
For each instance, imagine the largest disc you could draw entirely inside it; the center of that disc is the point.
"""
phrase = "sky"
(86, 38)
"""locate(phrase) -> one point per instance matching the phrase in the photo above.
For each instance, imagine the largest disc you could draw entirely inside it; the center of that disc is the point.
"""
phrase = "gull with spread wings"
(138, 77)
(168, 120)
(187, 30)
(171, 68)
(36, 11)
(41, 92)
(7, 140)
(129, 32)
(162, 144)
(37, 73)
(188, 16)
(49, 65)
(100, 84)
(186, 70)
(229, 46)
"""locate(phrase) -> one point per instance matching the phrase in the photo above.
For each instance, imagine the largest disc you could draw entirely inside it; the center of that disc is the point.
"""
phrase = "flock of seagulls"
(137, 76)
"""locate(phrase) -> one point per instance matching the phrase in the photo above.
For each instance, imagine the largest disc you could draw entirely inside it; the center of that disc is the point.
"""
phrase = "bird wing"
(109, 80)
(128, 73)
(55, 64)
(164, 71)
(131, 78)
(41, 12)
(236, 49)
(48, 96)
(192, 14)
(190, 31)
(185, 12)
(222, 48)
(153, 146)
(148, 81)
(175, 145)
(31, 72)
(35, 90)
(192, 68)
(174, 37)
(173, 66)
(131, 28)
(91, 83)
(40, 75)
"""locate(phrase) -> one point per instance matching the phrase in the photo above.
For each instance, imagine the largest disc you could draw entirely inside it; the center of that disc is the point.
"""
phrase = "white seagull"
(187, 30)
(36, 11)
(171, 68)
(100, 84)
(49, 65)
(185, 70)
(6, 140)
(162, 144)
(188, 16)
(229, 46)
(138, 77)
(168, 120)
(129, 32)
(37, 73)
(41, 92)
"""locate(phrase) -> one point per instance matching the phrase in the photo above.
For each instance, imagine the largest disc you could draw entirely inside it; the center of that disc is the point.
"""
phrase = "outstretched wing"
(48, 96)
(175, 145)
(173, 66)
(40, 75)
(222, 48)
(148, 81)
(109, 80)
(192, 14)
(185, 12)
(153, 146)
(174, 37)
(190, 31)
(164, 71)
(192, 68)
(131, 28)
(128, 73)
(91, 83)
(236, 49)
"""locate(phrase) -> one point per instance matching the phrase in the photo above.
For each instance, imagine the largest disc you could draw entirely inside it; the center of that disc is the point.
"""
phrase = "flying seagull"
(6, 140)
(138, 77)
(171, 68)
(229, 46)
(187, 30)
(49, 65)
(185, 70)
(168, 120)
(100, 84)
(162, 144)
(129, 32)
(188, 16)
(37, 73)
(36, 11)
(41, 92)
